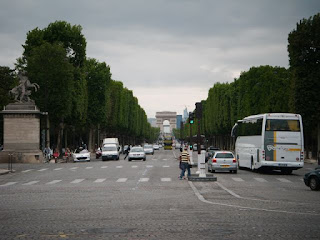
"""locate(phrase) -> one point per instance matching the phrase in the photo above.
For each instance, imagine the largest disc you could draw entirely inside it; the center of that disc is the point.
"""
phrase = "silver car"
(148, 149)
(137, 153)
(222, 161)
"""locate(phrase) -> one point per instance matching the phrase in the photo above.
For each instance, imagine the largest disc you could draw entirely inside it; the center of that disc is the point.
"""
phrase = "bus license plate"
(283, 164)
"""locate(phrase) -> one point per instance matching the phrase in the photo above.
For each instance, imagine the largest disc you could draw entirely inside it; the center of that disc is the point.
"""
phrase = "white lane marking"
(149, 166)
(134, 166)
(77, 181)
(202, 199)
(73, 168)
(154, 159)
(166, 166)
(54, 182)
(89, 167)
(8, 184)
(144, 180)
(27, 170)
(164, 159)
(284, 180)
(56, 169)
(227, 190)
(100, 180)
(165, 179)
(30, 183)
(238, 179)
(104, 166)
(122, 179)
(260, 179)
(119, 166)
(43, 169)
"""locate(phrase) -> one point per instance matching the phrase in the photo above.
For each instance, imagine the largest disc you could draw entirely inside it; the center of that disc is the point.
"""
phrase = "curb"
(196, 178)
(3, 171)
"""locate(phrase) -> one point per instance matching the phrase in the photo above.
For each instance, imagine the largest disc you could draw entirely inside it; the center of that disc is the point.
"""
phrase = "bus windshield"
(283, 125)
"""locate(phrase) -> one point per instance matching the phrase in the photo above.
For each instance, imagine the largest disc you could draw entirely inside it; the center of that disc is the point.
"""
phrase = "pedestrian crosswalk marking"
(154, 159)
(238, 179)
(144, 180)
(89, 167)
(73, 168)
(104, 166)
(77, 181)
(119, 166)
(8, 184)
(134, 166)
(122, 179)
(27, 170)
(284, 180)
(56, 169)
(54, 182)
(30, 183)
(43, 169)
(165, 179)
(166, 166)
(165, 159)
(260, 179)
(100, 180)
(149, 166)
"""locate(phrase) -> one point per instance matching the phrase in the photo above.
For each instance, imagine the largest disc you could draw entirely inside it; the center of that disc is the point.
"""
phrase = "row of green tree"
(78, 92)
(268, 89)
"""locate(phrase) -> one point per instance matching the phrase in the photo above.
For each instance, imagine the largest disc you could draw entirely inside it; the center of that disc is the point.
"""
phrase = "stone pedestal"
(21, 133)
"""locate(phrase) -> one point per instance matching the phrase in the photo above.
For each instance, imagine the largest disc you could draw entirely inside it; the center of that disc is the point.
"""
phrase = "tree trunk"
(90, 140)
(318, 149)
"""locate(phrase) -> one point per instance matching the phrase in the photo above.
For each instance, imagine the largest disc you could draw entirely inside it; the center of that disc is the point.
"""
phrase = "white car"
(148, 149)
(156, 147)
(137, 153)
(223, 161)
(81, 155)
(110, 152)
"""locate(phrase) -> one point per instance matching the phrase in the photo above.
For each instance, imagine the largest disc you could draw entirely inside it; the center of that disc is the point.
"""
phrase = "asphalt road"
(146, 200)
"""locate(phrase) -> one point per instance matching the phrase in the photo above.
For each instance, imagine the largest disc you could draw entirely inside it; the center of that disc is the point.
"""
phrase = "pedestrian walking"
(127, 152)
(185, 161)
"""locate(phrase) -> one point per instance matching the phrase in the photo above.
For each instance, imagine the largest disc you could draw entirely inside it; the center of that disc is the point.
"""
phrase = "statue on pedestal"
(21, 92)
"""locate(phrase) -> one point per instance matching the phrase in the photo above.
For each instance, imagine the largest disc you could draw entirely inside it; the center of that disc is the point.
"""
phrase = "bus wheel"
(286, 171)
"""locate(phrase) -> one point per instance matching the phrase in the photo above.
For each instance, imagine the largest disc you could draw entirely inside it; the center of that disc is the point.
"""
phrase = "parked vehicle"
(110, 152)
(148, 149)
(222, 160)
(312, 179)
(137, 153)
(81, 155)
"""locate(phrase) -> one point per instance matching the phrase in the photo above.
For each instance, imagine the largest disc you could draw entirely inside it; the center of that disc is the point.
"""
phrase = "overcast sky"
(169, 52)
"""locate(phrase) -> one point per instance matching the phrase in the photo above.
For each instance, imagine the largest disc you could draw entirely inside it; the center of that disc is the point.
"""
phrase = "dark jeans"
(184, 166)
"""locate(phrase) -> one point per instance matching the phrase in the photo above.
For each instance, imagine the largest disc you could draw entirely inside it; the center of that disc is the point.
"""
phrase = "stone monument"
(21, 125)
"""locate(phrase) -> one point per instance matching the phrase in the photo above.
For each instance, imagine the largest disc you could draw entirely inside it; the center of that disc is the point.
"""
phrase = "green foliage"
(304, 58)
(8, 80)
(48, 67)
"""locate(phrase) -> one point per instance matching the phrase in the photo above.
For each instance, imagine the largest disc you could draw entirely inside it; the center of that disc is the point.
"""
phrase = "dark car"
(312, 179)
(211, 150)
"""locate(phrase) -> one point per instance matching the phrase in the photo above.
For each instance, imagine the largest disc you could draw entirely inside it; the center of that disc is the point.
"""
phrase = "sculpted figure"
(21, 92)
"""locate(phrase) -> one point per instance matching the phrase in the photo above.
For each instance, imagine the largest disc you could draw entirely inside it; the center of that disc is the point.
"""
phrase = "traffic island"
(207, 178)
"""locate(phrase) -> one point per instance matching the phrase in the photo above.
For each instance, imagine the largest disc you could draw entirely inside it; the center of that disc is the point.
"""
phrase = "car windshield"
(81, 150)
(137, 149)
(109, 148)
(224, 155)
(147, 146)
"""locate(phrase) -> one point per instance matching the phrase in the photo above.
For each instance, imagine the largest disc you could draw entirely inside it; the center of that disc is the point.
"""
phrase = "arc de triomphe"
(170, 116)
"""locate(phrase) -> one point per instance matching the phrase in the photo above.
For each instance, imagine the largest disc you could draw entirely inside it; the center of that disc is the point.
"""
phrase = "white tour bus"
(270, 141)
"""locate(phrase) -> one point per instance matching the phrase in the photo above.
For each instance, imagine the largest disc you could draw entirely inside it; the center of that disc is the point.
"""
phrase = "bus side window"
(268, 128)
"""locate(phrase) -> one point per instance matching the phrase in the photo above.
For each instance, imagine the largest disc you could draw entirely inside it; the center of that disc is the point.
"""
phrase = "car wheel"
(144, 159)
(118, 158)
(314, 184)
(235, 171)
(129, 159)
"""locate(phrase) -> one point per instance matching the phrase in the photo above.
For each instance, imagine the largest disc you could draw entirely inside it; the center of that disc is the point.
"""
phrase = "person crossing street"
(185, 161)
